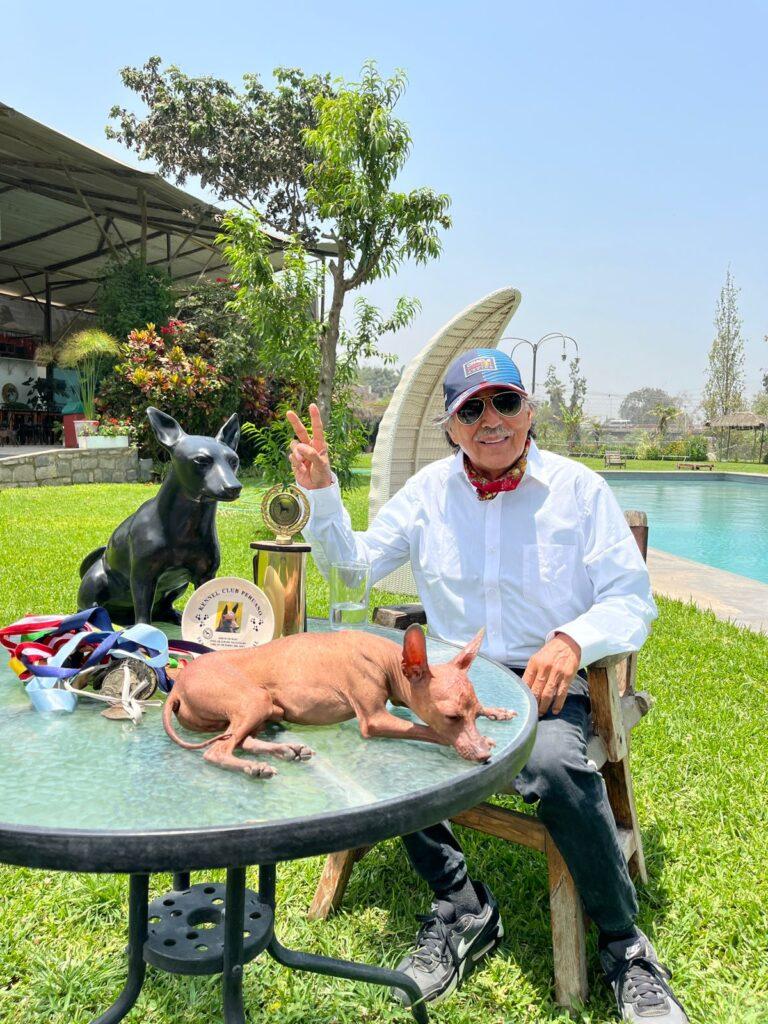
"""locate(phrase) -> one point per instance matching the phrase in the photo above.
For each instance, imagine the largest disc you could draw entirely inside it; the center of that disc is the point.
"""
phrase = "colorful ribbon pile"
(49, 650)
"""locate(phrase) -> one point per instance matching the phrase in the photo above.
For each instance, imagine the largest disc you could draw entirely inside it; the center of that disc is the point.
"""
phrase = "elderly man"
(533, 547)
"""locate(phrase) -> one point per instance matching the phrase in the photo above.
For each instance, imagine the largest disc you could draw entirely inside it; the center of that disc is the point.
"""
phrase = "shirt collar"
(535, 467)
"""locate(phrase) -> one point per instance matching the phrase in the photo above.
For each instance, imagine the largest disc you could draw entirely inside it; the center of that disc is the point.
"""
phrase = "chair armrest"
(399, 616)
(607, 717)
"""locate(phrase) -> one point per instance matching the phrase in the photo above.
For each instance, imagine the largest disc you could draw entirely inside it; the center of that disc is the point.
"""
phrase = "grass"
(700, 769)
(364, 462)
(669, 465)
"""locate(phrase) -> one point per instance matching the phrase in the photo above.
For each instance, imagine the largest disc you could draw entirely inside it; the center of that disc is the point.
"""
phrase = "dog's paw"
(498, 714)
(294, 752)
(260, 770)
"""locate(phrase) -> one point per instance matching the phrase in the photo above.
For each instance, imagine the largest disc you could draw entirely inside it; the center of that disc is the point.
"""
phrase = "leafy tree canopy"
(638, 405)
(247, 146)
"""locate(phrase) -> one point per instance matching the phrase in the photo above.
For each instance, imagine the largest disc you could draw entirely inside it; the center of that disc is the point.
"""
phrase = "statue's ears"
(167, 430)
(230, 432)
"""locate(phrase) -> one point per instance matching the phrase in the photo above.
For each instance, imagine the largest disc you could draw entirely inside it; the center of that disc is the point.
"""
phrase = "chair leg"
(568, 939)
(337, 871)
(621, 796)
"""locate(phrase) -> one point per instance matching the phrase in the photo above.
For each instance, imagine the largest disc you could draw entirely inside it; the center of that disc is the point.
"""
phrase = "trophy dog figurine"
(171, 539)
(321, 679)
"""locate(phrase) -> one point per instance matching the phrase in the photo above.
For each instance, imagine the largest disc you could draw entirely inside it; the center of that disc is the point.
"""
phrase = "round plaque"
(285, 510)
(228, 613)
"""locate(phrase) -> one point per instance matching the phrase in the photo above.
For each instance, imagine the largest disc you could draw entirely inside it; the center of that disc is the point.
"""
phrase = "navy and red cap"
(475, 370)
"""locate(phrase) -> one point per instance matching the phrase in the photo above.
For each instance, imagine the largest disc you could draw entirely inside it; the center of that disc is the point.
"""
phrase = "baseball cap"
(477, 369)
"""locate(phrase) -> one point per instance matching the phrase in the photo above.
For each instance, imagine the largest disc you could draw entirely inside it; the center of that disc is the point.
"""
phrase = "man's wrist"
(570, 642)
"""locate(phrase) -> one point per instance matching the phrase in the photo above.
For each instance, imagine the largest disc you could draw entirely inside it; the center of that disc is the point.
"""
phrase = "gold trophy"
(279, 565)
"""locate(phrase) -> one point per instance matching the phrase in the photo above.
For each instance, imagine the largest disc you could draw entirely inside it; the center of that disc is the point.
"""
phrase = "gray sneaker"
(640, 983)
(448, 949)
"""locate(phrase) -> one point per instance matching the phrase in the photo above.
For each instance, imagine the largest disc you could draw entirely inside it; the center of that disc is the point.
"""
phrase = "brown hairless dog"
(320, 679)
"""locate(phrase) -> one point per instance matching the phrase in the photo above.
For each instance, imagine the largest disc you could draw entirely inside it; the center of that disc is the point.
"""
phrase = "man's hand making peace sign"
(309, 455)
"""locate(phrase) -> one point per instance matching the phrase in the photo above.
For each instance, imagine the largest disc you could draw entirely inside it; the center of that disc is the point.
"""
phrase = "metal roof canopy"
(67, 210)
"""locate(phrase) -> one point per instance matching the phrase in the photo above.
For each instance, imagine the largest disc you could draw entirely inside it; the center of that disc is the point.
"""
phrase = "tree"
(248, 147)
(637, 405)
(315, 157)
(380, 379)
(663, 414)
(555, 391)
(277, 309)
(132, 295)
(724, 388)
(360, 148)
(572, 419)
(578, 385)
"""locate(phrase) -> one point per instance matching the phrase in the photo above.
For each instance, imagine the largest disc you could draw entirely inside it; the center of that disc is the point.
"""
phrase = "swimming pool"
(723, 523)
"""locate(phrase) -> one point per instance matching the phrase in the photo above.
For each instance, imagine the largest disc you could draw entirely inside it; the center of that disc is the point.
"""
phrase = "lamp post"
(534, 345)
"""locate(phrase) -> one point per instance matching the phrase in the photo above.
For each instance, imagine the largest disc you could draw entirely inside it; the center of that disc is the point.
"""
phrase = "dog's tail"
(171, 706)
(88, 561)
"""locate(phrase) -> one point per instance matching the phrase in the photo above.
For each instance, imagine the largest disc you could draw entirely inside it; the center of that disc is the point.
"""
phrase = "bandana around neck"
(487, 489)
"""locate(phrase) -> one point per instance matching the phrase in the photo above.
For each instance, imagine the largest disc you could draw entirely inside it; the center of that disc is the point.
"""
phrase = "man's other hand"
(551, 671)
(309, 455)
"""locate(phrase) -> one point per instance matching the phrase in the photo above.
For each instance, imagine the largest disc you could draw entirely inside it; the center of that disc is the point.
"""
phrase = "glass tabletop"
(80, 773)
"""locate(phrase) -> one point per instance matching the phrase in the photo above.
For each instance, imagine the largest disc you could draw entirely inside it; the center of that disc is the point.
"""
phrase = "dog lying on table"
(321, 679)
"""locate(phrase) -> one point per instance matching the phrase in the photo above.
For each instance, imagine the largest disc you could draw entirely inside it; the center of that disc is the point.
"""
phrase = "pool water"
(723, 523)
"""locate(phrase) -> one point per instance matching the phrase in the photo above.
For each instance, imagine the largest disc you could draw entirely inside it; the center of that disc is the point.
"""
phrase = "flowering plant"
(109, 426)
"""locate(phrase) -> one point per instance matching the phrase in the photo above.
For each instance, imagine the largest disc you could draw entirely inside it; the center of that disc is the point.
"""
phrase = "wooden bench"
(616, 709)
(696, 465)
(613, 459)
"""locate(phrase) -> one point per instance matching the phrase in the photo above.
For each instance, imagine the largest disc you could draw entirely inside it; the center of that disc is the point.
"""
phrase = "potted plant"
(87, 352)
(108, 432)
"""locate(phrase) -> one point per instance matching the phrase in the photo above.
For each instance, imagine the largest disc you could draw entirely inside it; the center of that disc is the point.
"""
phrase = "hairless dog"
(320, 679)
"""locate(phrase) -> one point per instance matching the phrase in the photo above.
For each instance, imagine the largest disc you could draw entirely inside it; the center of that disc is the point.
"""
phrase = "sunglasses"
(506, 403)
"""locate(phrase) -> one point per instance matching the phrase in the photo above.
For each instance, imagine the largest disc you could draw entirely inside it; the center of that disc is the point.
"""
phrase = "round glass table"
(152, 806)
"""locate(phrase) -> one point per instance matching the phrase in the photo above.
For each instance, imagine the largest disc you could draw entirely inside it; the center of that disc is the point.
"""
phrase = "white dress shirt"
(554, 555)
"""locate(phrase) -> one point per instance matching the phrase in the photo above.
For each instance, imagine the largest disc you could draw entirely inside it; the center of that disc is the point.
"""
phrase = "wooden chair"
(613, 459)
(616, 709)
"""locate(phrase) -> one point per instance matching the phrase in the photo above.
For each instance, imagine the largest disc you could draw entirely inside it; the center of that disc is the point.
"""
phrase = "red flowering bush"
(178, 369)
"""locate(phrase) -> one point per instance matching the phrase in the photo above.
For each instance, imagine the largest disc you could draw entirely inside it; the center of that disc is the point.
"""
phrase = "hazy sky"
(609, 160)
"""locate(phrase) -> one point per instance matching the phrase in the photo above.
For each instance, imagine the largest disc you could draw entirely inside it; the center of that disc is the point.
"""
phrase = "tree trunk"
(328, 342)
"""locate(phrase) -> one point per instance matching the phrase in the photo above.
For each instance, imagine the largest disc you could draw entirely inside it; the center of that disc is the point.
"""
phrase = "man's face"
(493, 442)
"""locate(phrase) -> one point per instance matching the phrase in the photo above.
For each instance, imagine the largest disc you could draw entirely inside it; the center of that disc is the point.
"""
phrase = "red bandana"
(488, 489)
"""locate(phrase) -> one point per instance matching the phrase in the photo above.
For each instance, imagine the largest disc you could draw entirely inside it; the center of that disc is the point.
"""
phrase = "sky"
(608, 160)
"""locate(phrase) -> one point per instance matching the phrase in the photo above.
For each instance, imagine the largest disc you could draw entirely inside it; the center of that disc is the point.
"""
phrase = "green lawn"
(700, 769)
(364, 462)
(669, 465)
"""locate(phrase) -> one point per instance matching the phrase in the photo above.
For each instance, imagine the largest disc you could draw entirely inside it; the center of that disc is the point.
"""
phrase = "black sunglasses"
(506, 403)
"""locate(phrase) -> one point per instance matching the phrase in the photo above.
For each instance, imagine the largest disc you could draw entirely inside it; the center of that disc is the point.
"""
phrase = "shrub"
(696, 448)
(130, 295)
(647, 449)
(675, 449)
(176, 369)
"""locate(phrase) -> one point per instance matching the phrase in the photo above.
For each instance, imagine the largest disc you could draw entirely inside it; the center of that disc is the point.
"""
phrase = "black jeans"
(573, 804)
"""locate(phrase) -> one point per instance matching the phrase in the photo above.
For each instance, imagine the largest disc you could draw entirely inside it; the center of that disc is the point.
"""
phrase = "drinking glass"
(349, 594)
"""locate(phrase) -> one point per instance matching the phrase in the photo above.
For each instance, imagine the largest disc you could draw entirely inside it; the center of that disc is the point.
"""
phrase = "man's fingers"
(298, 426)
(560, 699)
(307, 452)
(317, 427)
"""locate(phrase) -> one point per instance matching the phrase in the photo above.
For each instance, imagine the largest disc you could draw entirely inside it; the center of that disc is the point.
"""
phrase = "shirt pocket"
(548, 573)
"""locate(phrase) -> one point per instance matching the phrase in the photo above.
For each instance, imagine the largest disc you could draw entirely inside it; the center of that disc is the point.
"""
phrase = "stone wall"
(70, 466)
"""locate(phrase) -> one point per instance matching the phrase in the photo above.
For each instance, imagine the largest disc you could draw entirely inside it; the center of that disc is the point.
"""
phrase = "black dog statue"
(171, 539)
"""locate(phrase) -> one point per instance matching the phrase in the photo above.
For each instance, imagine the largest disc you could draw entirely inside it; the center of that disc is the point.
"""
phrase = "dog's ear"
(167, 430)
(230, 432)
(415, 666)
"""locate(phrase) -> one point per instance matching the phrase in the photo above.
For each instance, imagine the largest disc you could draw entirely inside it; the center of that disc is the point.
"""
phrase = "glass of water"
(349, 594)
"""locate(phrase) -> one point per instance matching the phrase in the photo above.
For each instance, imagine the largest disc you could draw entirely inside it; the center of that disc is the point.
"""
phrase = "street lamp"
(552, 336)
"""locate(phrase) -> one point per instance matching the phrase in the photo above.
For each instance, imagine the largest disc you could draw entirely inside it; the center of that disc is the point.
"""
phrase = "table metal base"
(214, 929)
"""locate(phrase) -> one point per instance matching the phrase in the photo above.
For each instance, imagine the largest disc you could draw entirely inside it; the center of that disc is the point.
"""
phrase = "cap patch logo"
(478, 365)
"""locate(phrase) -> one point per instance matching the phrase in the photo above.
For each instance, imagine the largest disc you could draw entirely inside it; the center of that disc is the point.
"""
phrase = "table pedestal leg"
(137, 934)
(232, 975)
(299, 961)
